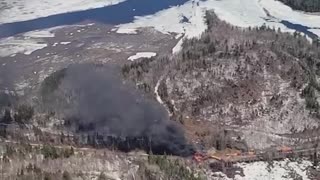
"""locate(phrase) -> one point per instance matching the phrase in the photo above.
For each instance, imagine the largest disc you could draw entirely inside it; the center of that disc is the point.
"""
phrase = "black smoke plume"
(114, 114)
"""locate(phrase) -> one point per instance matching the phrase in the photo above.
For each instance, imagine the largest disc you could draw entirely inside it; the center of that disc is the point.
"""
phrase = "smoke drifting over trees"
(98, 103)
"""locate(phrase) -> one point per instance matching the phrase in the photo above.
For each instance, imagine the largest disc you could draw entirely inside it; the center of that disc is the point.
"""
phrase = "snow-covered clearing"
(171, 20)
(188, 19)
(22, 10)
(11, 46)
(142, 55)
(245, 13)
(281, 11)
(39, 34)
(280, 170)
(127, 31)
(26, 44)
(276, 170)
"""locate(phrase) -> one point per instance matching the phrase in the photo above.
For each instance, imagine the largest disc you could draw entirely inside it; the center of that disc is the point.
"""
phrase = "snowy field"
(171, 20)
(188, 19)
(22, 10)
(25, 44)
(142, 55)
(280, 170)
(277, 170)
(12, 46)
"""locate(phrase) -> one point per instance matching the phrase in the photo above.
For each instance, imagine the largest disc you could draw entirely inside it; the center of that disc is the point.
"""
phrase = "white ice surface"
(25, 44)
(39, 34)
(242, 13)
(142, 55)
(169, 20)
(11, 46)
(22, 10)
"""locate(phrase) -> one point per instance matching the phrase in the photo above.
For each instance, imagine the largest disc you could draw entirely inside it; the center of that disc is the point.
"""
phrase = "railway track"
(268, 155)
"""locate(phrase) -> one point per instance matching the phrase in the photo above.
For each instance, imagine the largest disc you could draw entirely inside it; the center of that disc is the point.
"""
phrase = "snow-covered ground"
(281, 11)
(188, 19)
(142, 55)
(171, 20)
(26, 44)
(39, 34)
(277, 170)
(245, 13)
(22, 10)
(12, 46)
(280, 170)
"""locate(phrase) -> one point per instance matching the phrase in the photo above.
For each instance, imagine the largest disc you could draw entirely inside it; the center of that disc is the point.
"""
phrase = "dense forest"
(304, 5)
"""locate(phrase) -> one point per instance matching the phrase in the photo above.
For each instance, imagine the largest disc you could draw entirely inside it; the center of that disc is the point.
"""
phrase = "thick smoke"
(116, 114)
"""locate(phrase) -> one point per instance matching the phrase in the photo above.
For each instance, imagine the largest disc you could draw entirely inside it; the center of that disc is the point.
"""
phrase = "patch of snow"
(178, 36)
(242, 13)
(126, 30)
(281, 11)
(170, 20)
(13, 45)
(245, 13)
(39, 34)
(18, 10)
(158, 97)
(315, 31)
(177, 48)
(156, 92)
(65, 43)
(142, 55)
(309, 39)
(26, 43)
(280, 170)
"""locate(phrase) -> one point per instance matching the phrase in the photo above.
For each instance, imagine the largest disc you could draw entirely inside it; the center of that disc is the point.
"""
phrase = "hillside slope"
(258, 82)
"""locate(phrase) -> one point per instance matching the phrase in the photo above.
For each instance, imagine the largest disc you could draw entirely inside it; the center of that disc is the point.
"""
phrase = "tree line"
(303, 5)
